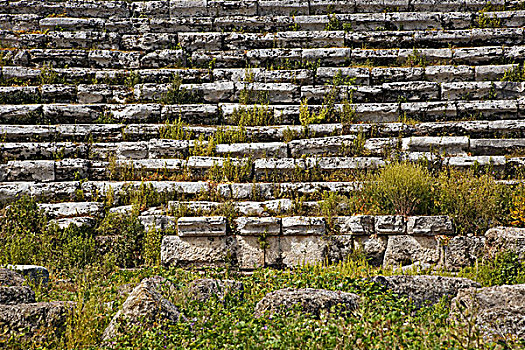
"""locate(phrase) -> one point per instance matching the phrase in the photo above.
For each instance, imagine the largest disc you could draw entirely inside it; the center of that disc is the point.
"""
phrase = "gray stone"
(201, 226)
(429, 225)
(312, 301)
(257, 251)
(497, 311)
(34, 273)
(463, 251)
(35, 318)
(359, 225)
(196, 251)
(301, 225)
(144, 306)
(505, 239)
(253, 226)
(390, 225)
(406, 250)
(424, 290)
(373, 247)
(302, 250)
(13, 295)
(10, 277)
(205, 289)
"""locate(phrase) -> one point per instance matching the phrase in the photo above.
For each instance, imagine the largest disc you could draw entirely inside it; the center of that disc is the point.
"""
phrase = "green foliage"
(175, 130)
(252, 116)
(474, 202)
(27, 237)
(152, 242)
(177, 94)
(128, 233)
(504, 268)
(416, 59)
(383, 320)
(516, 74)
(488, 22)
(402, 189)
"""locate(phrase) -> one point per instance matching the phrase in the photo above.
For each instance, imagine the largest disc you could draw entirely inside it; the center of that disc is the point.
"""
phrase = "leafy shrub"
(129, 233)
(473, 202)
(178, 95)
(401, 188)
(27, 237)
(504, 268)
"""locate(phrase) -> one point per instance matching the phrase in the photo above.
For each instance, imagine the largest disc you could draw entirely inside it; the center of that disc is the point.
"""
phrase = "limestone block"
(325, 145)
(327, 56)
(463, 251)
(163, 58)
(302, 225)
(390, 225)
(164, 148)
(201, 41)
(445, 144)
(201, 226)
(406, 250)
(497, 162)
(252, 252)
(254, 226)
(505, 239)
(189, 8)
(30, 170)
(496, 146)
(380, 75)
(429, 225)
(373, 247)
(192, 114)
(345, 163)
(253, 150)
(64, 223)
(70, 209)
(358, 225)
(199, 251)
(283, 7)
(300, 250)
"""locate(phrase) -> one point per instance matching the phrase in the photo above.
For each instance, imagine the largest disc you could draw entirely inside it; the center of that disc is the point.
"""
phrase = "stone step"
(332, 145)
(65, 134)
(274, 57)
(245, 169)
(18, 75)
(218, 41)
(353, 21)
(196, 8)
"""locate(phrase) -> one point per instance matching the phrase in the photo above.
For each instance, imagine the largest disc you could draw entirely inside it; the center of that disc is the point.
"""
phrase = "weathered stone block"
(390, 225)
(201, 226)
(299, 250)
(302, 225)
(196, 251)
(429, 225)
(254, 226)
(359, 225)
(406, 250)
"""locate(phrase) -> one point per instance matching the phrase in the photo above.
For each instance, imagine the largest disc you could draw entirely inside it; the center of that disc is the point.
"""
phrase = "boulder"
(505, 239)
(204, 289)
(424, 289)
(16, 295)
(30, 318)
(34, 273)
(498, 310)
(12, 289)
(9, 277)
(145, 305)
(309, 300)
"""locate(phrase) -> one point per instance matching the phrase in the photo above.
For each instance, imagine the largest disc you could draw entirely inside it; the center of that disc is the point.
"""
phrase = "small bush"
(178, 95)
(504, 268)
(27, 237)
(473, 202)
(129, 233)
(402, 189)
